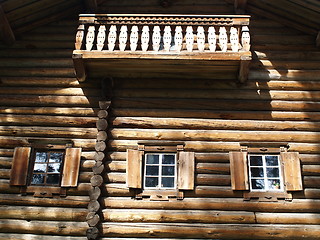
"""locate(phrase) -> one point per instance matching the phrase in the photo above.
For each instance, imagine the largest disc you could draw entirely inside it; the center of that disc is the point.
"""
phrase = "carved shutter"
(134, 168)
(186, 169)
(239, 170)
(71, 167)
(292, 171)
(20, 163)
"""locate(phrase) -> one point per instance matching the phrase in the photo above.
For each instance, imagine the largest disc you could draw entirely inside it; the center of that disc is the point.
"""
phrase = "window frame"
(160, 176)
(265, 177)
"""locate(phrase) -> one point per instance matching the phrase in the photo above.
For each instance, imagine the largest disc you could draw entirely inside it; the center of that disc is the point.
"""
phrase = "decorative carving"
(178, 38)
(200, 38)
(167, 38)
(223, 39)
(134, 38)
(234, 39)
(145, 38)
(245, 39)
(123, 37)
(79, 37)
(101, 37)
(156, 38)
(189, 39)
(90, 38)
(212, 39)
(112, 37)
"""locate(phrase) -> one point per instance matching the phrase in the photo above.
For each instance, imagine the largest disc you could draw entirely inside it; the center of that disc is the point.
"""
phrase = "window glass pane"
(40, 168)
(255, 160)
(274, 184)
(256, 172)
(152, 159)
(152, 170)
(168, 159)
(257, 184)
(272, 161)
(53, 178)
(56, 157)
(168, 171)
(54, 167)
(272, 172)
(151, 182)
(41, 157)
(167, 182)
(37, 179)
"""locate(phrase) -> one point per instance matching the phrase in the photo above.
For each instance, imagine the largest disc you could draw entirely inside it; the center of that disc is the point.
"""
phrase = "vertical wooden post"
(6, 33)
(318, 40)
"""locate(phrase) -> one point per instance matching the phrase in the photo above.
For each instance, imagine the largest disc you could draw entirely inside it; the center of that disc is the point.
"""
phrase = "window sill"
(160, 195)
(267, 196)
(44, 191)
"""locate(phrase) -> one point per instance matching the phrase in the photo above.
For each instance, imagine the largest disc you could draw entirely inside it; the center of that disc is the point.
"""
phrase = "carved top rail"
(163, 33)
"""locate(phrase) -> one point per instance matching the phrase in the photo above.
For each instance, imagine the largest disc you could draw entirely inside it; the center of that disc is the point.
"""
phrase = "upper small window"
(47, 168)
(265, 173)
(160, 171)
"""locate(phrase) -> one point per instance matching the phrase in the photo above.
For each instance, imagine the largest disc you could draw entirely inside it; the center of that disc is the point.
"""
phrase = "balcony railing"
(162, 36)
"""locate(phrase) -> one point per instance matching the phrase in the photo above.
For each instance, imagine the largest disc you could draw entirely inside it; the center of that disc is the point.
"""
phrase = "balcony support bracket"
(244, 69)
(79, 67)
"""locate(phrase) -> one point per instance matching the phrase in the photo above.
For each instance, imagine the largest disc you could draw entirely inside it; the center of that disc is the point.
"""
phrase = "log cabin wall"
(41, 99)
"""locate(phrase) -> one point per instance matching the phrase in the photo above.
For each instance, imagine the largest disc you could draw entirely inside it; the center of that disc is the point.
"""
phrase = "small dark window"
(47, 168)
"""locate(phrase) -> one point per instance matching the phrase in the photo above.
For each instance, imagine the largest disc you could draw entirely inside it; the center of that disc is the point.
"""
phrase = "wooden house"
(161, 119)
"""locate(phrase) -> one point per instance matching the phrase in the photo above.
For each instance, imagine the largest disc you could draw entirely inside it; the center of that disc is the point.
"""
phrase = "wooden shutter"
(20, 164)
(292, 171)
(186, 170)
(239, 171)
(134, 168)
(71, 167)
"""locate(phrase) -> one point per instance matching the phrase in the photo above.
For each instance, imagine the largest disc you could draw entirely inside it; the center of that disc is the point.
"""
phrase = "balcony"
(162, 46)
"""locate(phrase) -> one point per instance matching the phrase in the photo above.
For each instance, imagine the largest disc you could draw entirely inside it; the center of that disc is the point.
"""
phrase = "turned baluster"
(90, 38)
(245, 39)
(101, 37)
(123, 37)
(234, 39)
(145, 38)
(200, 38)
(134, 38)
(178, 38)
(156, 38)
(112, 37)
(189, 39)
(79, 37)
(223, 39)
(212, 39)
(167, 38)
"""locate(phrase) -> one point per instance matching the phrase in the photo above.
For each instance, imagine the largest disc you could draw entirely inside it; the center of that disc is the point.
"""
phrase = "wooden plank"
(71, 167)
(14, 236)
(292, 171)
(186, 169)
(6, 33)
(20, 164)
(134, 168)
(239, 171)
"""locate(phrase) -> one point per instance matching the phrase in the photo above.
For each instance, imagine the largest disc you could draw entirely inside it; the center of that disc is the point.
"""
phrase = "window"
(47, 168)
(45, 171)
(160, 171)
(265, 173)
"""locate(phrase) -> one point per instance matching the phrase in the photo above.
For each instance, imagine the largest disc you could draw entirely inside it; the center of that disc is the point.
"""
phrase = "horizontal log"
(284, 74)
(311, 181)
(5, 162)
(20, 131)
(245, 105)
(215, 135)
(288, 218)
(67, 202)
(38, 53)
(237, 94)
(43, 213)
(285, 55)
(225, 204)
(36, 62)
(213, 180)
(209, 146)
(44, 227)
(311, 170)
(65, 111)
(211, 124)
(276, 64)
(215, 168)
(212, 231)
(282, 39)
(14, 236)
(37, 72)
(223, 114)
(66, 91)
(177, 216)
(46, 101)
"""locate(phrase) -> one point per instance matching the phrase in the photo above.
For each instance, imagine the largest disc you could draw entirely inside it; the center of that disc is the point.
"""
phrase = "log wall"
(279, 103)
(41, 99)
